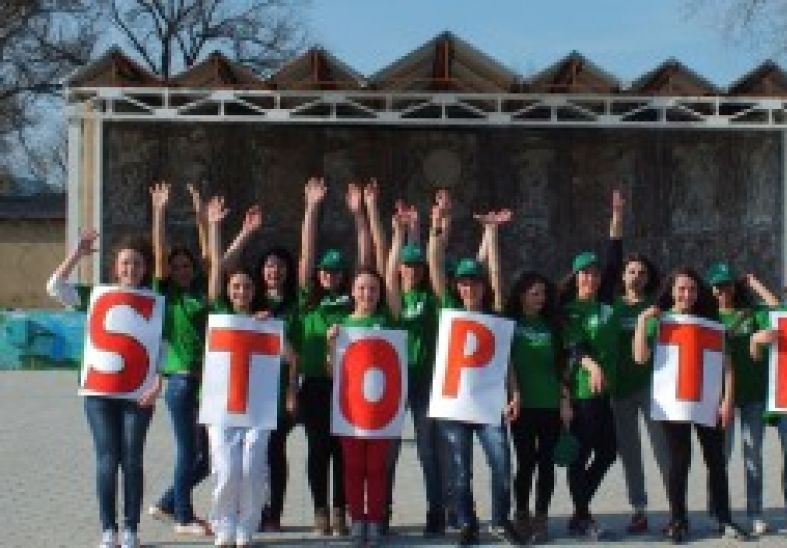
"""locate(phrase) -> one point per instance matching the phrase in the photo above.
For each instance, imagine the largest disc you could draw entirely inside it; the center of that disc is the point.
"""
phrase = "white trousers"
(239, 460)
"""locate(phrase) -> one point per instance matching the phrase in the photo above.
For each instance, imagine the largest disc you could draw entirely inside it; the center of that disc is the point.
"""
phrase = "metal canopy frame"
(434, 109)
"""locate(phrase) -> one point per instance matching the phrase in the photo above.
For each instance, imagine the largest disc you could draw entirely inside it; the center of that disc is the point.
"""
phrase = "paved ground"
(47, 498)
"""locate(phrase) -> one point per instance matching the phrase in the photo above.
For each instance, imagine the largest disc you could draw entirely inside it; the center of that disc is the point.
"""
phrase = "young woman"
(472, 292)
(365, 459)
(324, 301)
(590, 332)
(536, 355)
(631, 394)
(118, 426)
(685, 293)
(176, 277)
(276, 296)
(238, 454)
(742, 317)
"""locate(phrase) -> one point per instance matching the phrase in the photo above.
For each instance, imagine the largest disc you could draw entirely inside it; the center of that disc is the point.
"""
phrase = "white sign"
(777, 365)
(240, 379)
(469, 382)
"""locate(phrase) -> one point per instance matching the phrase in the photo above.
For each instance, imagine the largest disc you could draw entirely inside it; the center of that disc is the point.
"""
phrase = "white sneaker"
(759, 527)
(195, 528)
(225, 540)
(242, 539)
(156, 512)
(109, 539)
(129, 539)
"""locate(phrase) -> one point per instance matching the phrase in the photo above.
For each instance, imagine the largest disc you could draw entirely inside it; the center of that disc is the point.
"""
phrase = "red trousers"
(365, 470)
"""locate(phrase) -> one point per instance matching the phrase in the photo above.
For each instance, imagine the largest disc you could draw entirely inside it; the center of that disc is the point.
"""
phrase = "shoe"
(271, 525)
(593, 531)
(468, 534)
(161, 514)
(195, 527)
(129, 539)
(340, 523)
(374, 534)
(538, 530)
(224, 540)
(109, 539)
(505, 532)
(677, 531)
(576, 526)
(435, 524)
(734, 531)
(638, 524)
(242, 540)
(322, 523)
(759, 527)
(385, 525)
(522, 523)
(451, 520)
(358, 533)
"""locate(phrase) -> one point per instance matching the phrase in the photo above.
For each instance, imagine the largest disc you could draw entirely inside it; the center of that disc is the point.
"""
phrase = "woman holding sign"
(473, 293)
(324, 301)
(684, 293)
(118, 425)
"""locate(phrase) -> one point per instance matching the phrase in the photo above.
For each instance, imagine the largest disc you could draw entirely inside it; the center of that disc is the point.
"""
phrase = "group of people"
(579, 377)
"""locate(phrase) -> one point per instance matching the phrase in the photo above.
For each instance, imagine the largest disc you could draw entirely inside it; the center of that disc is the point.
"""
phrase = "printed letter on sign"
(777, 365)
(462, 333)
(692, 342)
(241, 345)
(688, 370)
(370, 383)
(122, 342)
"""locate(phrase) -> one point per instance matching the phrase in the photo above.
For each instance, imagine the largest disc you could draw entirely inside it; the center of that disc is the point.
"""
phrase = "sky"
(626, 38)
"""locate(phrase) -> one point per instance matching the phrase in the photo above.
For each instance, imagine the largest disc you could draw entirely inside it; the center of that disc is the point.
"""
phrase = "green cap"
(468, 268)
(566, 449)
(583, 260)
(412, 254)
(719, 273)
(332, 260)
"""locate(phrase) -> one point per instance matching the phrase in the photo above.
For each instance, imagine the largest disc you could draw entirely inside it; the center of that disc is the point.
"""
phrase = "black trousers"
(594, 428)
(535, 433)
(678, 436)
(324, 450)
(277, 465)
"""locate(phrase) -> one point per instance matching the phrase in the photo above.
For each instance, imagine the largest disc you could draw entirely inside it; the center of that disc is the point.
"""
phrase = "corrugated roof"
(573, 74)
(316, 69)
(768, 79)
(113, 69)
(218, 71)
(673, 78)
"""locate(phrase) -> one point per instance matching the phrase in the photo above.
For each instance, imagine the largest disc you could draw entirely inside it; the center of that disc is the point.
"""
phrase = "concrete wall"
(30, 251)
(693, 196)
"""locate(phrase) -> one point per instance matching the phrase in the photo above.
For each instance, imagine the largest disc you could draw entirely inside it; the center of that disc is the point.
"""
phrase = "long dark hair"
(487, 301)
(228, 273)
(141, 245)
(742, 297)
(705, 306)
(317, 292)
(381, 302)
(289, 289)
(653, 274)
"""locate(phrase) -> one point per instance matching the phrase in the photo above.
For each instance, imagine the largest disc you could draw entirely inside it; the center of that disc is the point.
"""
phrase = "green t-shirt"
(533, 356)
(751, 377)
(596, 327)
(314, 325)
(378, 320)
(185, 320)
(419, 317)
(631, 377)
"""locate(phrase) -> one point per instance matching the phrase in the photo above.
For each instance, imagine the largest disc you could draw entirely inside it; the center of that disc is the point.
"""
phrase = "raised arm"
(494, 265)
(201, 221)
(393, 289)
(354, 200)
(435, 251)
(762, 292)
(159, 197)
(413, 226)
(613, 263)
(371, 193)
(251, 222)
(58, 287)
(314, 195)
(216, 214)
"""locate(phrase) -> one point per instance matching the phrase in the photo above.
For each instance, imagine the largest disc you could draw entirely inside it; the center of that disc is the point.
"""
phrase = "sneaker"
(224, 540)
(468, 535)
(161, 514)
(129, 539)
(759, 527)
(374, 534)
(451, 520)
(734, 531)
(358, 533)
(435, 524)
(109, 539)
(242, 539)
(271, 525)
(522, 523)
(322, 523)
(505, 532)
(340, 523)
(638, 524)
(197, 528)
(677, 531)
(576, 526)
(538, 530)
(593, 531)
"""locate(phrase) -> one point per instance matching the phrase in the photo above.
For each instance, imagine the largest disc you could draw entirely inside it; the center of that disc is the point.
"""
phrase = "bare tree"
(759, 23)
(169, 35)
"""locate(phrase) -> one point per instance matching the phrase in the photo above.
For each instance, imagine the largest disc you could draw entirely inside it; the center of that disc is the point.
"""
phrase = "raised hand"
(315, 191)
(618, 202)
(216, 210)
(196, 199)
(443, 200)
(159, 195)
(371, 192)
(86, 243)
(354, 198)
(252, 220)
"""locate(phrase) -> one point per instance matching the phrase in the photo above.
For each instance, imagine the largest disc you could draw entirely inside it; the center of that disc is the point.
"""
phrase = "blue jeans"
(494, 441)
(191, 446)
(752, 430)
(118, 428)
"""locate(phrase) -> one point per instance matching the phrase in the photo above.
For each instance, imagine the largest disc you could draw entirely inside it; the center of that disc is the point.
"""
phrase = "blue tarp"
(41, 339)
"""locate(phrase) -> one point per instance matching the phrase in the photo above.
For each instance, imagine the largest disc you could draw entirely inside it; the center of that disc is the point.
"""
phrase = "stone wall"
(692, 196)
